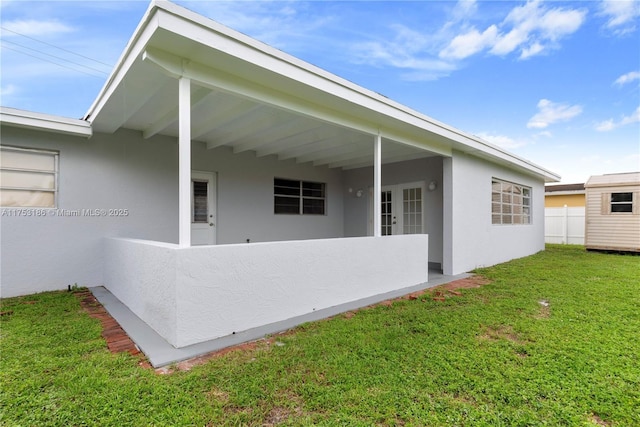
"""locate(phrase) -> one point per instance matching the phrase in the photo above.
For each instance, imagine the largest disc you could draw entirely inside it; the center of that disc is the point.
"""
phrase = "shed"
(613, 212)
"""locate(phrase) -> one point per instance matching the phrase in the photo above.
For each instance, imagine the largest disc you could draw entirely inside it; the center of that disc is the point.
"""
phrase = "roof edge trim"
(46, 122)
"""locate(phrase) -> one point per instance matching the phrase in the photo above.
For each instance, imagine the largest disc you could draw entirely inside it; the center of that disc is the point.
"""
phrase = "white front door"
(402, 209)
(203, 208)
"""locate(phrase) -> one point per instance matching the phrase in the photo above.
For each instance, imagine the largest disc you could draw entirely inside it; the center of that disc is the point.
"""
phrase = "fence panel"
(564, 225)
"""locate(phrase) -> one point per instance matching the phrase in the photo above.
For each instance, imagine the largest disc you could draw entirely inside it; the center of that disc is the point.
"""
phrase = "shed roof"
(614, 180)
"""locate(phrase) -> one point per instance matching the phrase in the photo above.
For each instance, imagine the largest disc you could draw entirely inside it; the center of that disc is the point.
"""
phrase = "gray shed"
(613, 212)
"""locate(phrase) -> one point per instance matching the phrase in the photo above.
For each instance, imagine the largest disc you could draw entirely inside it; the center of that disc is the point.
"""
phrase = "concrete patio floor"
(160, 353)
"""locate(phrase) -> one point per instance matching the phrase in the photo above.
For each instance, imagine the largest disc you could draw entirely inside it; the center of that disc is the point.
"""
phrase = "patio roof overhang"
(251, 97)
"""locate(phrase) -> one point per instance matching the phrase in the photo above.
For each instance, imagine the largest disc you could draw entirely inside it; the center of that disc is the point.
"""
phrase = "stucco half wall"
(195, 294)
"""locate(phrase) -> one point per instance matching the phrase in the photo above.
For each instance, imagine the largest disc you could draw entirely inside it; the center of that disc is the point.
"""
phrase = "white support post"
(377, 186)
(184, 162)
(565, 225)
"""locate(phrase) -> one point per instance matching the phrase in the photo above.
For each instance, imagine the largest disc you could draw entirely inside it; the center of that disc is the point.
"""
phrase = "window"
(200, 201)
(298, 197)
(510, 203)
(621, 202)
(28, 178)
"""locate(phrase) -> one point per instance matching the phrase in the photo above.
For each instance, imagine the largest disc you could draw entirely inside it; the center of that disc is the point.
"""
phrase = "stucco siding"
(120, 171)
(245, 197)
(474, 241)
(190, 295)
(125, 171)
(356, 209)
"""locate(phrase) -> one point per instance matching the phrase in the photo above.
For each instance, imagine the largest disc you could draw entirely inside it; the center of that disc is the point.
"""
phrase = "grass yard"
(554, 340)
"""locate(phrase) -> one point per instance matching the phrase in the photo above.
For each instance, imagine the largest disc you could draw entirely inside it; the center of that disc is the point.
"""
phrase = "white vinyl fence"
(564, 225)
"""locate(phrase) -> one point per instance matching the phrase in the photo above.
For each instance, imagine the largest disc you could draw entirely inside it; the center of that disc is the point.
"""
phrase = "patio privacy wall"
(125, 171)
(195, 294)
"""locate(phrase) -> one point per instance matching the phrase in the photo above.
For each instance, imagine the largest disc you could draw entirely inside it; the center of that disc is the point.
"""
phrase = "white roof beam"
(129, 109)
(223, 121)
(170, 114)
(304, 137)
(344, 149)
(272, 134)
(314, 147)
(220, 80)
(352, 164)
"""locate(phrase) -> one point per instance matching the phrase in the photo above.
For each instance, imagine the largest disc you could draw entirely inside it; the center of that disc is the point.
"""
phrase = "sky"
(554, 82)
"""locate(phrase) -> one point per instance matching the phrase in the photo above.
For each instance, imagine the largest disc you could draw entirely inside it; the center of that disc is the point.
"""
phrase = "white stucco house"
(218, 184)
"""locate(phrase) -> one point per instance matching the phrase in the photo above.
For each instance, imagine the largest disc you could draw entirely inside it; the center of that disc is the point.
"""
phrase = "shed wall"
(612, 231)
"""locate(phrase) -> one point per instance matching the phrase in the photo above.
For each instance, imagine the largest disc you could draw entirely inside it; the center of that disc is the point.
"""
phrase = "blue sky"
(555, 82)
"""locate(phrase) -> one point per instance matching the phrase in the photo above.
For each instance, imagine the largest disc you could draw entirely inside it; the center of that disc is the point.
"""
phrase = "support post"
(184, 162)
(377, 186)
(565, 225)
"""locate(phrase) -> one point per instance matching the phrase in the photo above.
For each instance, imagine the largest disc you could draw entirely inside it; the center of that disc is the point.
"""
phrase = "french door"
(402, 209)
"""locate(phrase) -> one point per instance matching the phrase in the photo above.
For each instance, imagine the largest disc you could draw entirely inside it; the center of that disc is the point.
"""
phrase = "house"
(218, 185)
(560, 195)
(564, 214)
(613, 212)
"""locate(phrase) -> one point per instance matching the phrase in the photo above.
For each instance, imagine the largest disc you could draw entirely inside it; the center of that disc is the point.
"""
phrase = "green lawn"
(495, 356)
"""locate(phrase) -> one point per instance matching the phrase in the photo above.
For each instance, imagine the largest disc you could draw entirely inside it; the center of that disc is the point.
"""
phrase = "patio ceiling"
(222, 119)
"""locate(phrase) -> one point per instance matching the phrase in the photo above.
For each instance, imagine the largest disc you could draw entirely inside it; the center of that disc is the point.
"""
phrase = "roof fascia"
(136, 43)
(44, 122)
(564, 193)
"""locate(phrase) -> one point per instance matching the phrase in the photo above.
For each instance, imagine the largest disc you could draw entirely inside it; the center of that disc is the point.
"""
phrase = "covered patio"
(190, 78)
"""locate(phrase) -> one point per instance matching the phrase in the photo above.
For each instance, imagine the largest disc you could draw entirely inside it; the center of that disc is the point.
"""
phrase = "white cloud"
(611, 124)
(35, 28)
(464, 9)
(531, 29)
(503, 141)
(8, 90)
(605, 126)
(550, 112)
(621, 15)
(627, 78)
(408, 50)
(277, 23)
(470, 43)
(532, 50)
(544, 133)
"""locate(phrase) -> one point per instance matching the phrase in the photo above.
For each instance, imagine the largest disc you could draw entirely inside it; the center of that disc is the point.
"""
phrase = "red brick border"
(117, 339)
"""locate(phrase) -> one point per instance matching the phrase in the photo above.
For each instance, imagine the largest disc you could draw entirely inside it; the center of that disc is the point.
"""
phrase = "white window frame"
(55, 173)
(299, 196)
(511, 204)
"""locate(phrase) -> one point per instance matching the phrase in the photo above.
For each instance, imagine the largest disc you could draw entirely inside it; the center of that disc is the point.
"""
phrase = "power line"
(52, 62)
(57, 47)
(52, 56)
